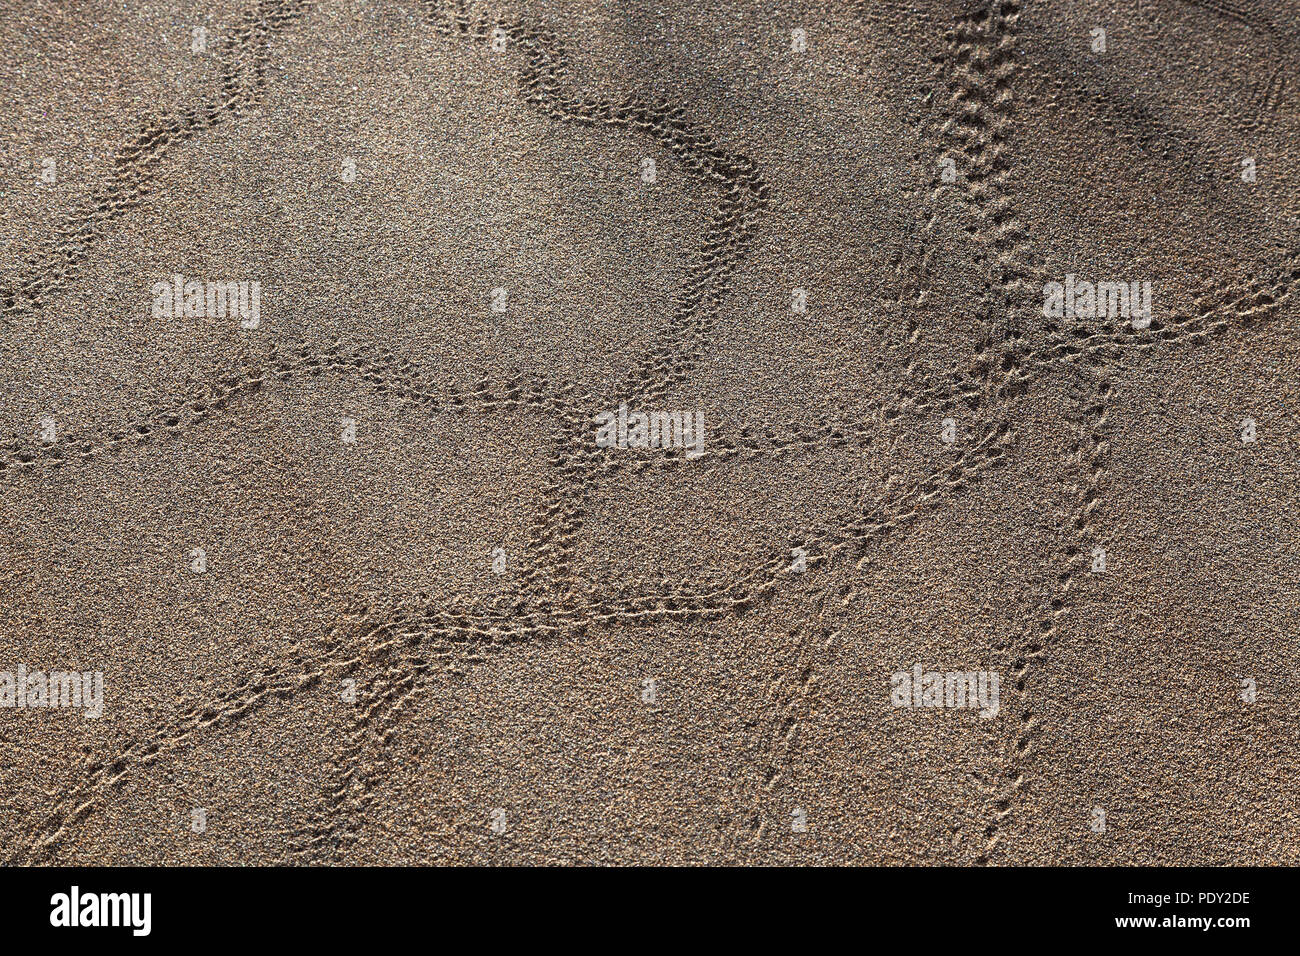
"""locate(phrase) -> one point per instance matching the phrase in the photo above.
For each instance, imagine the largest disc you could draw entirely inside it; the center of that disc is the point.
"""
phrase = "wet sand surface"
(362, 584)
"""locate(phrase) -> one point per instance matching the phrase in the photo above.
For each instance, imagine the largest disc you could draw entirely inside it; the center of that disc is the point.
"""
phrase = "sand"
(360, 583)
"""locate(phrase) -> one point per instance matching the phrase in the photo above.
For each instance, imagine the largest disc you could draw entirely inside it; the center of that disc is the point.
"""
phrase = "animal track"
(48, 270)
(395, 650)
(1085, 471)
(1270, 91)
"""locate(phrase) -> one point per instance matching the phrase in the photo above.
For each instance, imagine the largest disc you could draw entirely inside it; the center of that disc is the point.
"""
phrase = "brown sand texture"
(954, 553)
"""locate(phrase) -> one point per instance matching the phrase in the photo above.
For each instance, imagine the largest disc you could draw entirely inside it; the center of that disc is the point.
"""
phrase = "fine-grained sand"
(362, 585)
